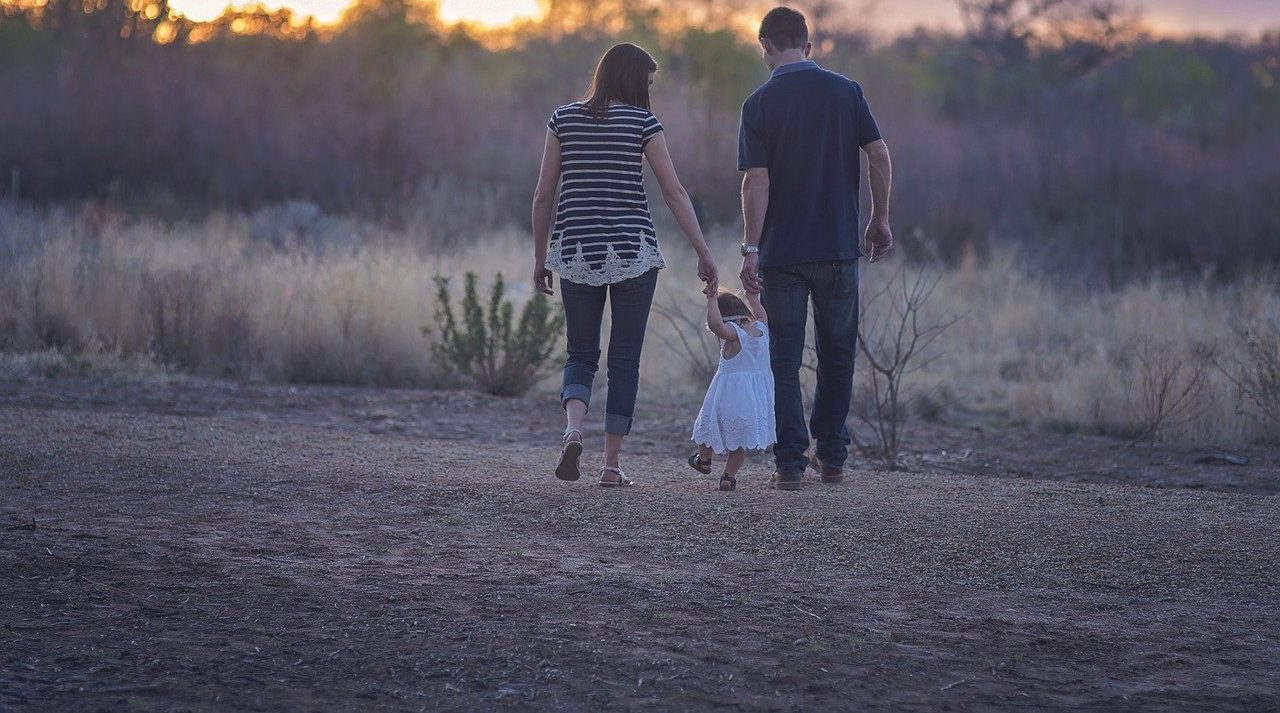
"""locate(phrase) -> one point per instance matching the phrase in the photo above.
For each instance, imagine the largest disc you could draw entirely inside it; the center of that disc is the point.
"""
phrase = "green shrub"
(485, 347)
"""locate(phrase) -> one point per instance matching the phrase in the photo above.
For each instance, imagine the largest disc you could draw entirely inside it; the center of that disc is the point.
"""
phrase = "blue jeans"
(833, 289)
(629, 303)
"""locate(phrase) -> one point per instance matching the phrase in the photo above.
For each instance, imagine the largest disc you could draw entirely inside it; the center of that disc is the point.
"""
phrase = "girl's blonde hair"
(732, 306)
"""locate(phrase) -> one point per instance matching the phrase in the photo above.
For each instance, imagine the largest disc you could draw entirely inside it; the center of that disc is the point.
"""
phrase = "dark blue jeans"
(629, 303)
(833, 289)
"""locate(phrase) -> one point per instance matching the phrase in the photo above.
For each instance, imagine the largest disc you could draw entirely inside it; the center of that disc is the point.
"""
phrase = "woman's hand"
(542, 279)
(708, 273)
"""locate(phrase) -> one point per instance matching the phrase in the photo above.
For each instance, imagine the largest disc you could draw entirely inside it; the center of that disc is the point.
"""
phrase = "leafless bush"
(47, 323)
(1169, 386)
(174, 300)
(895, 341)
(233, 350)
(689, 340)
(1256, 371)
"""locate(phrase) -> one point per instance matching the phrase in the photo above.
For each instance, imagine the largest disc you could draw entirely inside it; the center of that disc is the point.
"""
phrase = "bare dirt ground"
(207, 546)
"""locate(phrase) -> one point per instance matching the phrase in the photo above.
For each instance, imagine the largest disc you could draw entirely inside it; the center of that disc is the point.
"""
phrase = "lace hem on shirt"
(614, 268)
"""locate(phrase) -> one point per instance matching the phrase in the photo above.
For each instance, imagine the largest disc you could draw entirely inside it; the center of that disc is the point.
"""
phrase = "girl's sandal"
(621, 481)
(568, 467)
(728, 482)
(702, 466)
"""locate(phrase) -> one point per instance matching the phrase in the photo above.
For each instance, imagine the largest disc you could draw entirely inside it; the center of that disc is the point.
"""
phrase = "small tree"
(894, 342)
(1169, 387)
(693, 344)
(485, 347)
(1256, 372)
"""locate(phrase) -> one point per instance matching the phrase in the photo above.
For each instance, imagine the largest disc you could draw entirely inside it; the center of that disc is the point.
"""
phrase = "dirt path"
(256, 554)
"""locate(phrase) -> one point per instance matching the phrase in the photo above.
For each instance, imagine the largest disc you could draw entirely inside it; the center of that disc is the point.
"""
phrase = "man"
(798, 144)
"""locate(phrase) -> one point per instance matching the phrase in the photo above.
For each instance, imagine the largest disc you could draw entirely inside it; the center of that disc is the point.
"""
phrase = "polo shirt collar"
(795, 67)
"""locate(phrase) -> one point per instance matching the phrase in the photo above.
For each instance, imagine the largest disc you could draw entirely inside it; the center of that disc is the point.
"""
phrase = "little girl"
(737, 413)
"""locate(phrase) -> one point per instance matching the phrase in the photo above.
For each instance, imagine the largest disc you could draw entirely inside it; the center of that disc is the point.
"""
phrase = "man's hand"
(879, 238)
(542, 279)
(750, 274)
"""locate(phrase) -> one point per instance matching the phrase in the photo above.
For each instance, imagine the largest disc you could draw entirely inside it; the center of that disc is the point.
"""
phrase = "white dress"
(738, 410)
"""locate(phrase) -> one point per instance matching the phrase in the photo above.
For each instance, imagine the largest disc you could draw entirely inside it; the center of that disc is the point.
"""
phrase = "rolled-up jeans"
(629, 302)
(832, 287)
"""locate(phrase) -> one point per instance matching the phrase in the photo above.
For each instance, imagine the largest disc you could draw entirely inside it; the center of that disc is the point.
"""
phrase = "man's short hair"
(784, 28)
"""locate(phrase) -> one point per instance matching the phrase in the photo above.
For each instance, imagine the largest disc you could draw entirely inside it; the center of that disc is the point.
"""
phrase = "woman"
(602, 243)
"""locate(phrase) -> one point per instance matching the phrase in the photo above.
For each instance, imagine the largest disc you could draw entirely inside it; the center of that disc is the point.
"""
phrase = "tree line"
(1057, 124)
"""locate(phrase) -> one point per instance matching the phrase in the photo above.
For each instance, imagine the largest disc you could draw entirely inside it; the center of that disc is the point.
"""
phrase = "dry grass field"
(290, 295)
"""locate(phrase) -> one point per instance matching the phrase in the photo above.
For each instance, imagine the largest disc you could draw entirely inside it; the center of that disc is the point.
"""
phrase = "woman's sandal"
(568, 468)
(728, 482)
(621, 481)
(702, 466)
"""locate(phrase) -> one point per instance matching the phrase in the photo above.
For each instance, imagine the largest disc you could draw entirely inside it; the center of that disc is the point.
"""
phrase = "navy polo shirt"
(807, 125)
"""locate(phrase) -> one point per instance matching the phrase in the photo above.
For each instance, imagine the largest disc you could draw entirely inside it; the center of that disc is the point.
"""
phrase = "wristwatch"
(749, 249)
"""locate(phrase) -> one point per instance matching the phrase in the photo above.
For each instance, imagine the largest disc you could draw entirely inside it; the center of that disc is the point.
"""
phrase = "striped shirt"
(603, 233)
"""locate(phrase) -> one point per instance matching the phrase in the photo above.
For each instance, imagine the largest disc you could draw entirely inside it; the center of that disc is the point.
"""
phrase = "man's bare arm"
(755, 202)
(880, 169)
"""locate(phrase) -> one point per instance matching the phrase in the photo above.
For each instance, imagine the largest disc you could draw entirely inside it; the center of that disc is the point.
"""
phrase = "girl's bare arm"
(715, 322)
(756, 306)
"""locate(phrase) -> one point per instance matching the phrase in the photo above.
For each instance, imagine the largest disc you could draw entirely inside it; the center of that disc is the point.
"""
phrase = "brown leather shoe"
(830, 474)
(786, 481)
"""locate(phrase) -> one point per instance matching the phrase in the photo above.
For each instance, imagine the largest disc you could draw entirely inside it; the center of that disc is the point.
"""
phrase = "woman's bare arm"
(544, 201)
(677, 199)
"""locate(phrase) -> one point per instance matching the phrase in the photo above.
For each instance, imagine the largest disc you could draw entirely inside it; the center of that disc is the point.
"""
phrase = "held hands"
(708, 273)
(879, 238)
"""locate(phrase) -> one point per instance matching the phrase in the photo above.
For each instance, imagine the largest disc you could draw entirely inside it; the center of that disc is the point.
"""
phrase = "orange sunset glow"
(1171, 16)
(492, 13)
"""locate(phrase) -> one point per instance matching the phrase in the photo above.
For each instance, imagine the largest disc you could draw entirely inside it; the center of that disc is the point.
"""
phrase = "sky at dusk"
(1177, 16)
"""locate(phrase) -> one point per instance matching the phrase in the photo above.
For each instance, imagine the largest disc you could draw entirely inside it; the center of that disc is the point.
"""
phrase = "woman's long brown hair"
(621, 76)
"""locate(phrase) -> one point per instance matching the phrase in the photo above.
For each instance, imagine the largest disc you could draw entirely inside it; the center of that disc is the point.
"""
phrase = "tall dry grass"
(289, 295)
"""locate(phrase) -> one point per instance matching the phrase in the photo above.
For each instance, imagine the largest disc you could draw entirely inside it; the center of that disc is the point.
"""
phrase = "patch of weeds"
(95, 362)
